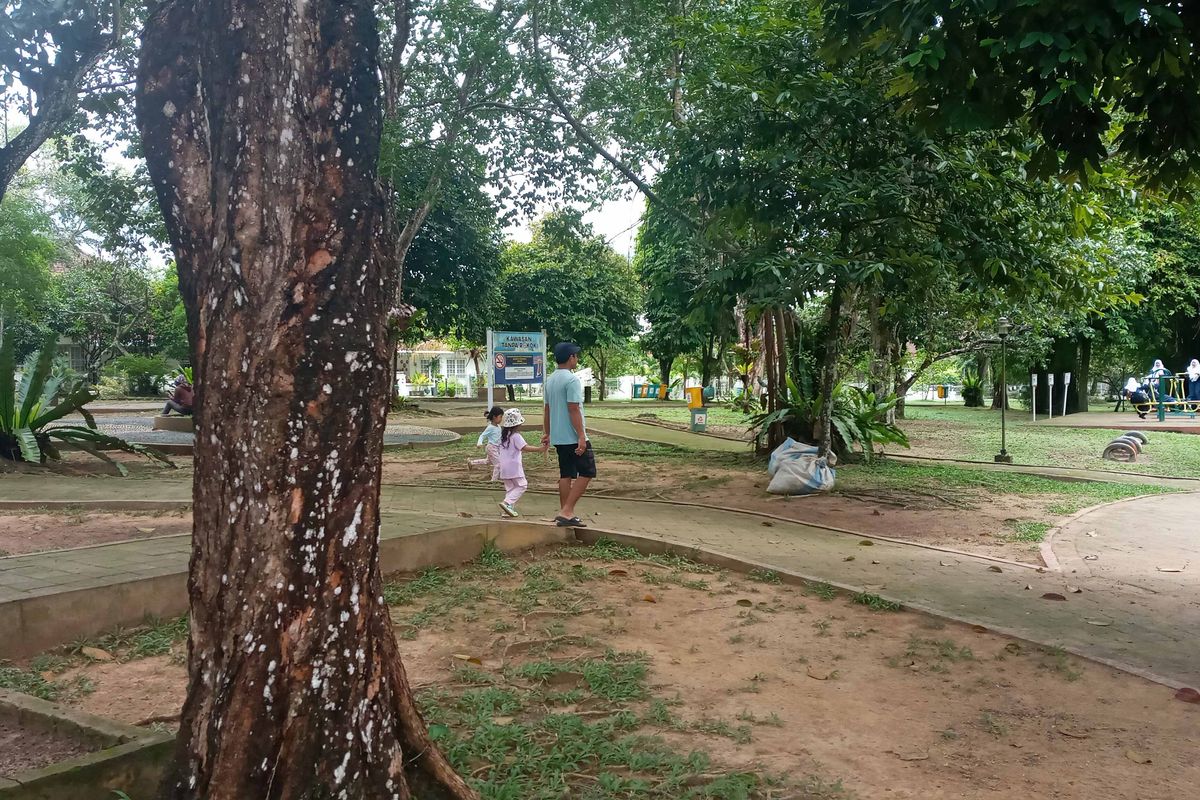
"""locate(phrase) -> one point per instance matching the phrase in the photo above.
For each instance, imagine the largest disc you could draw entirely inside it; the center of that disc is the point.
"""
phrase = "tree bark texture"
(261, 125)
(823, 431)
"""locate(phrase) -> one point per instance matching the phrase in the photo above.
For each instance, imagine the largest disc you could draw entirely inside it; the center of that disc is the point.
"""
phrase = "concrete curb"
(1029, 469)
(127, 758)
(38, 623)
(1046, 547)
(760, 515)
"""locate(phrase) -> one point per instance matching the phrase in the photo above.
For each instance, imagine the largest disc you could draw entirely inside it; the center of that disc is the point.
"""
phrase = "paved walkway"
(1103, 621)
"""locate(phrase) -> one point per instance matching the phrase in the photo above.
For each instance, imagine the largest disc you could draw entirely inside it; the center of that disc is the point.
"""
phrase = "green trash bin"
(699, 419)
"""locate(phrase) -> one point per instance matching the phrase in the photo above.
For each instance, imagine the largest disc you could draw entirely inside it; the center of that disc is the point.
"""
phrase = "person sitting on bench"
(181, 400)
(1193, 381)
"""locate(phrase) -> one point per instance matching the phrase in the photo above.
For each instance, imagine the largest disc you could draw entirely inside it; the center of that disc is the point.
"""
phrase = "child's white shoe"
(508, 510)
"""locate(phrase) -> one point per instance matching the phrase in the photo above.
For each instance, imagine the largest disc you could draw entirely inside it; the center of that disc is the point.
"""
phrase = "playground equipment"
(1125, 447)
(1166, 395)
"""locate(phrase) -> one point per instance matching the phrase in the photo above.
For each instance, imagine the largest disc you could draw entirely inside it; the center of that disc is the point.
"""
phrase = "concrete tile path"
(1104, 621)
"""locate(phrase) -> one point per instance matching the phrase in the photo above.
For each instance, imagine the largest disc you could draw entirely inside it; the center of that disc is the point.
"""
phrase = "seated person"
(1193, 381)
(1138, 394)
(181, 400)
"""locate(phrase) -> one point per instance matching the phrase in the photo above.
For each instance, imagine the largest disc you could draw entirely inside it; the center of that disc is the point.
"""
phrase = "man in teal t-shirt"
(565, 428)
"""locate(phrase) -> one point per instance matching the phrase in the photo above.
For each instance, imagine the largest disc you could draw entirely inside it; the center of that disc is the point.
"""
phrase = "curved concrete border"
(1046, 547)
(1028, 469)
(758, 514)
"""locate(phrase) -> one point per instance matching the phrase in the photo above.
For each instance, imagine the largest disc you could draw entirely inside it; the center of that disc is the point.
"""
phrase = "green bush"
(143, 375)
(32, 406)
(972, 389)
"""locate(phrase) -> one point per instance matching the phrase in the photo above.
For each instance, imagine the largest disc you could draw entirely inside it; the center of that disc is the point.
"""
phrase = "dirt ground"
(23, 748)
(781, 680)
(22, 533)
(982, 529)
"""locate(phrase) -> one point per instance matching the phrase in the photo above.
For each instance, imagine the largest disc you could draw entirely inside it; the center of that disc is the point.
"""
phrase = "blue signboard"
(518, 357)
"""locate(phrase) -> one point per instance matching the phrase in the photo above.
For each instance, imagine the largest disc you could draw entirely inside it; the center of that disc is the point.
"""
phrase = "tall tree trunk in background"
(985, 360)
(261, 125)
(823, 429)
(664, 376)
(1083, 381)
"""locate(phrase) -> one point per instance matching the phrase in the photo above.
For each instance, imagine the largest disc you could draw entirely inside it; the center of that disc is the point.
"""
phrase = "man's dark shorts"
(574, 466)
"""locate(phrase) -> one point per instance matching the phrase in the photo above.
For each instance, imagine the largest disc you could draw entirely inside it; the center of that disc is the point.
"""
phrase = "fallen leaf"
(1028, 586)
(1074, 589)
(819, 673)
(910, 755)
(766, 523)
(1090, 533)
(994, 568)
(1099, 623)
(774, 541)
(866, 543)
(468, 658)
(1053, 596)
(502, 720)
(146, 530)
(746, 603)
(648, 598)
(1171, 569)
(876, 513)
(848, 558)
(948, 563)
(465, 514)
(1073, 734)
(618, 573)
(1137, 757)
(875, 562)
(979, 629)
(96, 654)
(1041, 570)
(1013, 647)
(1188, 695)
(1091, 558)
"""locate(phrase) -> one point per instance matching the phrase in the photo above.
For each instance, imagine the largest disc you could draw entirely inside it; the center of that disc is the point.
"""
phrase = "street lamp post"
(1003, 326)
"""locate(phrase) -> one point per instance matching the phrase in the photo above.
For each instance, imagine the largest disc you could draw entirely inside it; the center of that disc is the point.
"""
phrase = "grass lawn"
(974, 434)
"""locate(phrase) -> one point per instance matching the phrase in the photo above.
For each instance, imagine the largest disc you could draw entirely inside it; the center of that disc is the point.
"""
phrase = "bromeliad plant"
(859, 419)
(45, 395)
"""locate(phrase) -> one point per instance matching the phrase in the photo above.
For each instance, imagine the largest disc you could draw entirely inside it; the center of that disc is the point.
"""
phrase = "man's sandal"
(572, 522)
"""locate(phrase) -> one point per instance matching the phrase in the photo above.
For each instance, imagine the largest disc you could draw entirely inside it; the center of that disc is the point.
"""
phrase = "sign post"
(515, 358)
(1033, 394)
(1066, 391)
(1050, 394)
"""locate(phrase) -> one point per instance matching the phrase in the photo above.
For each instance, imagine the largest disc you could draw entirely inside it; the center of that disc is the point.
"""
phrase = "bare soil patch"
(22, 533)
(25, 747)
(789, 692)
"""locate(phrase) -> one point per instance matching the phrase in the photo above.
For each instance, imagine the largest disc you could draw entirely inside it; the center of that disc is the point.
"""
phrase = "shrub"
(972, 388)
(143, 375)
(43, 395)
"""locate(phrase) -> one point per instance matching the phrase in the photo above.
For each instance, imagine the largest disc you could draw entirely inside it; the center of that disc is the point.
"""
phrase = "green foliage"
(568, 281)
(972, 388)
(1091, 78)
(859, 419)
(45, 395)
(27, 245)
(143, 375)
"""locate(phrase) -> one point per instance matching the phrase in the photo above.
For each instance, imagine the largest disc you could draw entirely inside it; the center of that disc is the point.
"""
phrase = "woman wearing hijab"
(1193, 381)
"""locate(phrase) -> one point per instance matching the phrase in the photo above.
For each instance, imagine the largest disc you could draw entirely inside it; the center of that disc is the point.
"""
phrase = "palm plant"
(43, 396)
(972, 388)
(859, 418)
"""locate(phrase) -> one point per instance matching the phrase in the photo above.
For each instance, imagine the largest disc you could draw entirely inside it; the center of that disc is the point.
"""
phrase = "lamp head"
(1003, 327)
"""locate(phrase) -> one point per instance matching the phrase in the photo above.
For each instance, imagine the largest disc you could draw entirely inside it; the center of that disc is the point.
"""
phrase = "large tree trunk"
(261, 127)
(823, 429)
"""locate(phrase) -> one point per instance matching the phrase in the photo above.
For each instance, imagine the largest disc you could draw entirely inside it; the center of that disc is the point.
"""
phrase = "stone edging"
(1046, 547)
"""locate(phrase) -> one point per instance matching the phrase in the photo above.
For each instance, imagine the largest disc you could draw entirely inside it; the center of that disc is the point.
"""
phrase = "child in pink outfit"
(512, 471)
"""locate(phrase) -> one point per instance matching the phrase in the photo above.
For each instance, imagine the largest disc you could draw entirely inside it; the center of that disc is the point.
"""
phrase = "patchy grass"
(1026, 530)
(875, 602)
